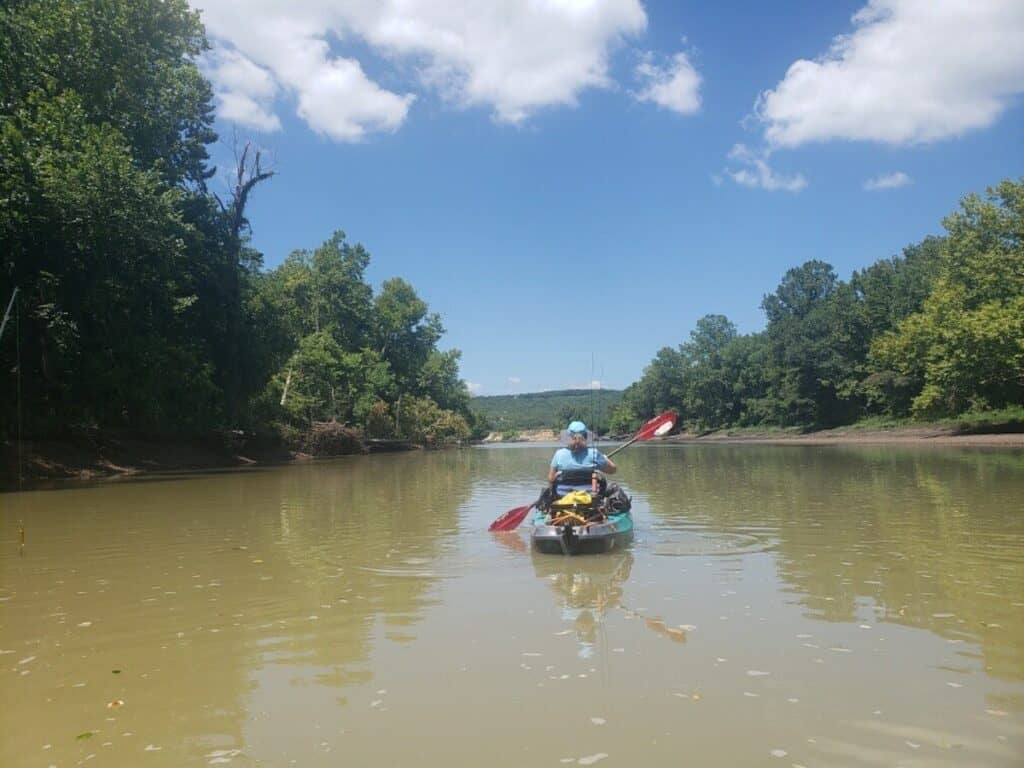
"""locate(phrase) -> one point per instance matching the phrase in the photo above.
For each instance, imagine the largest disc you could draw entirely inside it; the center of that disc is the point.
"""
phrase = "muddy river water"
(779, 606)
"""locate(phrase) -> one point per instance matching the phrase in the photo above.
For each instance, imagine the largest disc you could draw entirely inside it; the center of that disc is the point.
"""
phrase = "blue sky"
(572, 184)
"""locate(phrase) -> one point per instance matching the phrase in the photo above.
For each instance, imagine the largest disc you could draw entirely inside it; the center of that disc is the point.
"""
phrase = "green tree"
(708, 398)
(404, 330)
(104, 122)
(817, 343)
(966, 345)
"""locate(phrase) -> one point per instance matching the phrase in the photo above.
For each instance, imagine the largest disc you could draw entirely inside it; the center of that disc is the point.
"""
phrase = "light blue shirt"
(591, 458)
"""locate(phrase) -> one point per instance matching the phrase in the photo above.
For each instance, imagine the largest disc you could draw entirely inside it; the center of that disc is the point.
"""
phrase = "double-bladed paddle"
(656, 427)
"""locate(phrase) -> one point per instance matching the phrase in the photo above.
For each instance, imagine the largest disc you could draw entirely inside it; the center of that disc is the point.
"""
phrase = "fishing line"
(17, 360)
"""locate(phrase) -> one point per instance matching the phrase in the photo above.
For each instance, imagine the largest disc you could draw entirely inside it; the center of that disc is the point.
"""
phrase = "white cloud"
(245, 91)
(912, 71)
(510, 56)
(474, 387)
(888, 181)
(674, 86)
(757, 173)
(514, 380)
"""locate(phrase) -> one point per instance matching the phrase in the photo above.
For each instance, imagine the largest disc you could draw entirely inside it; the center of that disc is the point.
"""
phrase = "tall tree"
(104, 122)
(966, 345)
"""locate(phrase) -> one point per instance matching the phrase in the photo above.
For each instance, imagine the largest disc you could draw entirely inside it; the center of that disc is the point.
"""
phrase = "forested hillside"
(548, 410)
(937, 331)
(140, 304)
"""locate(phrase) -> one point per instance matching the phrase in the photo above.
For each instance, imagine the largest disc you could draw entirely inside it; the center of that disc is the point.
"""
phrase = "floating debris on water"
(591, 759)
(779, 753)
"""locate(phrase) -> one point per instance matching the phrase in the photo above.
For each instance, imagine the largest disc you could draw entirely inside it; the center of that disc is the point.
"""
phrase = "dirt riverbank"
(107, 456)
(924, 435)
(88, 457)
(848, 436)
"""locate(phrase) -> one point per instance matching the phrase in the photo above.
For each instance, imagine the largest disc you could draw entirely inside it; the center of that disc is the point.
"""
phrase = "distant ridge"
(548, 410)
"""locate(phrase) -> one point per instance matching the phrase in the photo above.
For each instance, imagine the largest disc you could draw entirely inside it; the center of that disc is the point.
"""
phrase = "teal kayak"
(567, 534)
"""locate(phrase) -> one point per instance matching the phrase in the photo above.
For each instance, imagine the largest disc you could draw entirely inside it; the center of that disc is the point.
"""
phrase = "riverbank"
(89, 457)
(923, 435)
(109, 456)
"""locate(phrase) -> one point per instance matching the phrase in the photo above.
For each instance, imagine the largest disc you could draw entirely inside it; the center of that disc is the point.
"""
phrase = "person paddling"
(577, 456)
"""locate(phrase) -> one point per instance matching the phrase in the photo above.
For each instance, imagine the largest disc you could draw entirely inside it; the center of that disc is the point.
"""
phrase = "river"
(780, 606)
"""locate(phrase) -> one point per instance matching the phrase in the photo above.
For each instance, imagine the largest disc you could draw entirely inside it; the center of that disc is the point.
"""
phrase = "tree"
(104, 122)
(889, 291)
(405, 331)
(708, 397)
(797, 334)
(966, 345)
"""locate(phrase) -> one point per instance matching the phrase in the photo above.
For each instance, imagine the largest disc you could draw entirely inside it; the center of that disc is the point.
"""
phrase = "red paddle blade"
(511, 519)
(657, 426)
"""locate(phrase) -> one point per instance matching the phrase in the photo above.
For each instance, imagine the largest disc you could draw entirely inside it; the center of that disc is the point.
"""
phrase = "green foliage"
(422, 420)
(966, 345)
(938, 331)
(335, 370)
(141, 304)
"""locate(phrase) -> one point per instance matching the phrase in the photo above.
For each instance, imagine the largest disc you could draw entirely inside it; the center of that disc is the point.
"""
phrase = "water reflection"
(923, 539)
(212, 597)
(843, 607)
(586, 589)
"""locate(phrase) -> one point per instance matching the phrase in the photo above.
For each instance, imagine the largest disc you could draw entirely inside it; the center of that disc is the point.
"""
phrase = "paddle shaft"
(624, 445)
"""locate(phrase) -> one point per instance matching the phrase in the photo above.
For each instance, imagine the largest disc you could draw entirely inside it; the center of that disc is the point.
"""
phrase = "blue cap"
(577, 428)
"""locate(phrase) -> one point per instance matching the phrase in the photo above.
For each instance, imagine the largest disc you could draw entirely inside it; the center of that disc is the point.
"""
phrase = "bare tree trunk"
(287, 383)
(247, 176)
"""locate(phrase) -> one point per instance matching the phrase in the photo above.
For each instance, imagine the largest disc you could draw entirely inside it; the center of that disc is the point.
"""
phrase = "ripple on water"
(408, 571)
(690, 543)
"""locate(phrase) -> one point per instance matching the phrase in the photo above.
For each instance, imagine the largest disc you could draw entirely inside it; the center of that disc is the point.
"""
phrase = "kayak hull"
(566, 539)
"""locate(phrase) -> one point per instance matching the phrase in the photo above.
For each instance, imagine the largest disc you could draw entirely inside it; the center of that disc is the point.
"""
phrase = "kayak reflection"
(587, 589)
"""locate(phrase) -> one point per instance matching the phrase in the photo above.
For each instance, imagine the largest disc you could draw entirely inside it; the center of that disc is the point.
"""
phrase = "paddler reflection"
(587, 589)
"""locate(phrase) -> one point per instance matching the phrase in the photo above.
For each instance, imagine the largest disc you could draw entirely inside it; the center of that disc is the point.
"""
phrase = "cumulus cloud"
(514, 380)
(912, 71)
(509, 56)
(674, 85)
(474, 387)
(245, 92)
(756, 172)
(888, 181)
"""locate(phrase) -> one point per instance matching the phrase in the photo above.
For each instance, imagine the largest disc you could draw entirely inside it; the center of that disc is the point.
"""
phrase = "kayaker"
(578, 456)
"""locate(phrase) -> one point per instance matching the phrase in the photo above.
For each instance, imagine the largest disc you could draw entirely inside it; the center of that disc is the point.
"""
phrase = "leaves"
(937, 331)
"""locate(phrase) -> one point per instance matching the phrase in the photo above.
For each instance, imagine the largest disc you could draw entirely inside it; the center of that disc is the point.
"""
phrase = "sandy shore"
(907, 435)
(844, 435)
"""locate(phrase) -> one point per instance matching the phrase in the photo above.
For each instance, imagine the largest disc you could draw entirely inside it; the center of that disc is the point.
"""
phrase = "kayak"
(568, 535)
